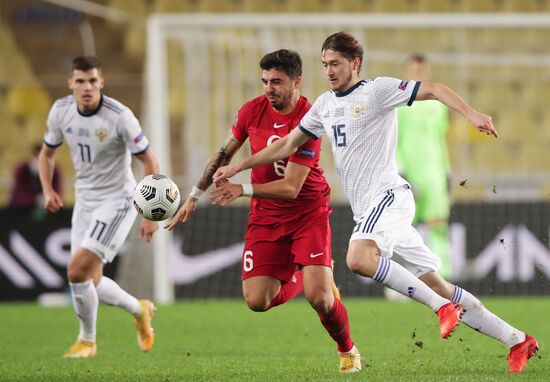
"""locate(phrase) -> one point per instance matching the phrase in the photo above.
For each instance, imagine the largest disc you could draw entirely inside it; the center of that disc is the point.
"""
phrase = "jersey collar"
(346, 92)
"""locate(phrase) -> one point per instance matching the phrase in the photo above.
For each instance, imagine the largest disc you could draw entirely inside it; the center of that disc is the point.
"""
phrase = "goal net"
(202, 67)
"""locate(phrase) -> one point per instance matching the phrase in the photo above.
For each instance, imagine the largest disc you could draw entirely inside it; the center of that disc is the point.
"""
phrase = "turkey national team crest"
(358, 109)
(101, 133)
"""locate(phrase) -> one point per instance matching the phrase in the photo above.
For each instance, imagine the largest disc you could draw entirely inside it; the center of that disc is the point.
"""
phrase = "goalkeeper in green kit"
(423, 160)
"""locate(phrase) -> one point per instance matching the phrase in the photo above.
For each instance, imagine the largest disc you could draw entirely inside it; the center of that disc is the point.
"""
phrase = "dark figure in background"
(27, 191)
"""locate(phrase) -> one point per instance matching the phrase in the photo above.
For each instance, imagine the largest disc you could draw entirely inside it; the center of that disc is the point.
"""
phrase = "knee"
(354, 262)
(257, 303)
(83, 266)
(76, 273)
(363, 262)
(321, 302)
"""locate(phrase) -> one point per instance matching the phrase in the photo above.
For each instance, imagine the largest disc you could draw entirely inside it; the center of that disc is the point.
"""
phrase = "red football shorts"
(277, 246)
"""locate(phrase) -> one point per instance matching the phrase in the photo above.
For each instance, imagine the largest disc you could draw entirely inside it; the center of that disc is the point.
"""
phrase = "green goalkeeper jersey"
(422, 149)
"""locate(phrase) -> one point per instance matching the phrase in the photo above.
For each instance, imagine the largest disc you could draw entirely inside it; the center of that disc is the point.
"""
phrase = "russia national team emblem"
(101, 133)
(410, 291)
(358, 109)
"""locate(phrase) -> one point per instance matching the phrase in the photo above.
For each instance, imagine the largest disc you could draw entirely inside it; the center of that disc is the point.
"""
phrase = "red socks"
(289, 290)
(336, 323)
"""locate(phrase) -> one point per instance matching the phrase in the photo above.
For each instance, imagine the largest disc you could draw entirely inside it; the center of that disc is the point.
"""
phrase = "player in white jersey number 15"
(359, 118)
(102, 134)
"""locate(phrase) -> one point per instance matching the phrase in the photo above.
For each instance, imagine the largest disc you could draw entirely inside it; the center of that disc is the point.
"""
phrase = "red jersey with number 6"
(258, 121)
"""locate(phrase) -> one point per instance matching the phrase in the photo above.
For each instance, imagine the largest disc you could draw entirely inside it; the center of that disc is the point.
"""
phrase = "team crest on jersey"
(358, 109)
(101, 133)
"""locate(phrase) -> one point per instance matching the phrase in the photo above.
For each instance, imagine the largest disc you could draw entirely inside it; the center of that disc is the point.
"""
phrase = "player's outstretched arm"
(221, 157)
(287, 188)
(46, 165)
(278, 150)
(431, 90)
(151, 166)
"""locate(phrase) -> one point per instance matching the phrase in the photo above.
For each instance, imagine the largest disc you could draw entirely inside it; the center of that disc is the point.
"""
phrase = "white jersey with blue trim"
(361, 124)
(101, 144)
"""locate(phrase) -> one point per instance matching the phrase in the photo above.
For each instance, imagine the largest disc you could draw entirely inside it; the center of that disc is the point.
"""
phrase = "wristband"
(196, 193)
(248, 190)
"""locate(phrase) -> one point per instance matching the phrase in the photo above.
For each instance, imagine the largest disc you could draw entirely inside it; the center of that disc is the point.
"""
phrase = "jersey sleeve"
(307, 154)
(132, 134)
(393, 92)
(53, 136)
(311, 123)
(239, 125)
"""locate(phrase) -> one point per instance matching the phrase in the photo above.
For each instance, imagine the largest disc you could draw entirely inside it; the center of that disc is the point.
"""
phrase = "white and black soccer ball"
(156, 197)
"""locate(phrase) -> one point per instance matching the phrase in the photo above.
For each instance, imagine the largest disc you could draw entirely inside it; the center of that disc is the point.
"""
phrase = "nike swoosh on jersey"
(276, 126)
(314, 255)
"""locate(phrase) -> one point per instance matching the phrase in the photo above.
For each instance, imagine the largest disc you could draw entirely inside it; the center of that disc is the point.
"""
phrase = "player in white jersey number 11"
(102, 134)
(360, 120)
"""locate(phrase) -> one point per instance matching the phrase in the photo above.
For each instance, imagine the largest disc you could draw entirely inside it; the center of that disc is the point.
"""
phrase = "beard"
(280, 104)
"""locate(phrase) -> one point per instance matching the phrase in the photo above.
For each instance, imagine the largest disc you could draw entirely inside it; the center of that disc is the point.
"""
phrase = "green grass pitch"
(224, 341)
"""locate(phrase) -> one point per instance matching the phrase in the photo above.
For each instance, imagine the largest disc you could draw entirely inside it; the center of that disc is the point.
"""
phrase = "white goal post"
(201, 67)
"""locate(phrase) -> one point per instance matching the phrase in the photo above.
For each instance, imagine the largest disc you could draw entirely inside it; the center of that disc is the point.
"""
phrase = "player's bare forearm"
(278, 150)
(46, 164)
(279, 189)
(287, 188)
(444, 94)
(221, 158)
(150, 162)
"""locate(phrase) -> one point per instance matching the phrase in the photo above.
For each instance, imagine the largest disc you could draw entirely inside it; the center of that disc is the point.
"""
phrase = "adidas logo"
(69, 130)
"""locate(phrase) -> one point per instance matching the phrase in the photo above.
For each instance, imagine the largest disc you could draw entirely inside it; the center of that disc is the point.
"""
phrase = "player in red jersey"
(288, 242)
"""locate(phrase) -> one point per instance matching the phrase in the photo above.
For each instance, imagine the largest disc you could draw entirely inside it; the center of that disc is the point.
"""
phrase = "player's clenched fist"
(52, 201)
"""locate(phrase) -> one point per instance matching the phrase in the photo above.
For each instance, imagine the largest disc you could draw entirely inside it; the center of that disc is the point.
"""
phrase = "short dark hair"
(85, 63)
(345, 44)
(286, 60)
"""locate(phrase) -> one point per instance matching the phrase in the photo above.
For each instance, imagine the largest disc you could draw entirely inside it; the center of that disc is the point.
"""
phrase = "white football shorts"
(388, 222)
(102, 230)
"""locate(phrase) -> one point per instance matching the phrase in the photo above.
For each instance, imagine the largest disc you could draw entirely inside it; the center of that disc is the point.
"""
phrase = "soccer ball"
(156, 197)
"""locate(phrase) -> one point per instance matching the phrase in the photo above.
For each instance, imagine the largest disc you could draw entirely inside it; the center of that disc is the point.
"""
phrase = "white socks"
(401, 280)
(479, 318)
(111, 293)
(85, 303)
